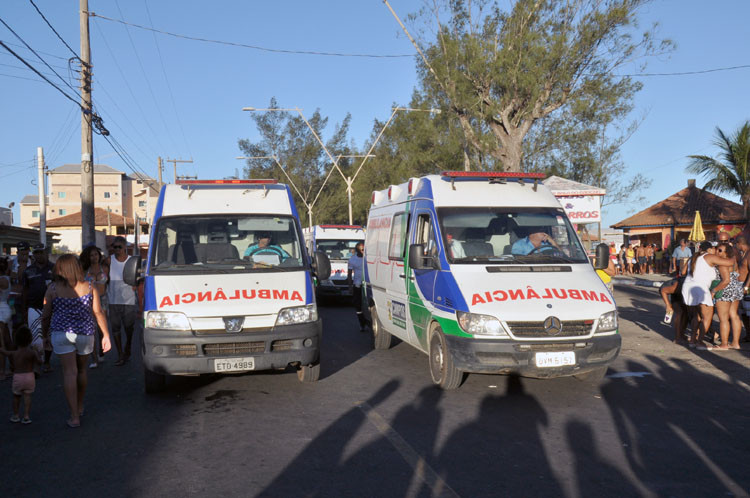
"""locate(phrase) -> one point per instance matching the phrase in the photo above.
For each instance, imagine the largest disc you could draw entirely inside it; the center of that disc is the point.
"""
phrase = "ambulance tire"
(593, 376)
(309, 373)
(380, 338)
(442, 370)
(153, 382)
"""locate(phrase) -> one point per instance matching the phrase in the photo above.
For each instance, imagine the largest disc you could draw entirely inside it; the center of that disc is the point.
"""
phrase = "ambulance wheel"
(309, 373)
(380, 338)
(153, 382)
(442, 370)
(593, 376)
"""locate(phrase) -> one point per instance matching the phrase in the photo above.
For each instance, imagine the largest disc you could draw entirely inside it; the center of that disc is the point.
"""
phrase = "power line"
(21, 67)
(254, 47)
(39, 57)
(21, 46)
(21, 77)
(40, 51)
(148, 82)
(55, 31)
(166, 79)
(686, 73)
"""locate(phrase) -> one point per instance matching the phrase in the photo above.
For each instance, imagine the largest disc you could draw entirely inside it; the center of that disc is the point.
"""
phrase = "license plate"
(550, 360)
(234, 364)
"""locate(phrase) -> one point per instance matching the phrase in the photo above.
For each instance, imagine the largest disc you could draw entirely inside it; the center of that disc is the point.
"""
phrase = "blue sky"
(187, 103)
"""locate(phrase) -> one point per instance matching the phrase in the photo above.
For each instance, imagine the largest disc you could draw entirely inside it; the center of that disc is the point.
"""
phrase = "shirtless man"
(640, 254)
(650, 258)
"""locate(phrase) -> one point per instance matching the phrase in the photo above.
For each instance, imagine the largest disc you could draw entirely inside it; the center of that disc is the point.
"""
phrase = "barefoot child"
(23, 359)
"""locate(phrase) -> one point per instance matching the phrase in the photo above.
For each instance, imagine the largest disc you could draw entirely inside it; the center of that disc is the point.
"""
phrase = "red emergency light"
(227, 182)
(492, 174)
(355, 227)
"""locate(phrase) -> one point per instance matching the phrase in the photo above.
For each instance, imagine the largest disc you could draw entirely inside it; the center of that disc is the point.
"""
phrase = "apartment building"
(126, 196)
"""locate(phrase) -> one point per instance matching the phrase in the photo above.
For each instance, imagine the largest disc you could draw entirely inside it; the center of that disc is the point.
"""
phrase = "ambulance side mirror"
(417, 259)
(132, 271)
(601, 261)
(321, 265)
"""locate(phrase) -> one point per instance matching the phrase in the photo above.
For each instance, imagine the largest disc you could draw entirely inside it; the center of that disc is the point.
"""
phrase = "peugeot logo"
(552, 325)
(234, 323)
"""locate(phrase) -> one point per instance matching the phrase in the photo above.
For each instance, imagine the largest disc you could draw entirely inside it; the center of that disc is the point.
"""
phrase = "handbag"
(714, 284)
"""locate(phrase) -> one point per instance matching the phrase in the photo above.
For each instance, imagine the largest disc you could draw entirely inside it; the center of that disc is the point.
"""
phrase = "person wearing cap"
(264, 246)
(121, 298)
(696, 290)
(36, 278)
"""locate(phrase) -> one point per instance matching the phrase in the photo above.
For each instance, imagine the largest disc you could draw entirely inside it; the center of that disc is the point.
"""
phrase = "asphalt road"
(667, 421)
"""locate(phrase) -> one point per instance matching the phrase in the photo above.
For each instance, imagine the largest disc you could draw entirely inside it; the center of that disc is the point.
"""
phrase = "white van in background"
(228, 283)
(484, 273)
(337, 242)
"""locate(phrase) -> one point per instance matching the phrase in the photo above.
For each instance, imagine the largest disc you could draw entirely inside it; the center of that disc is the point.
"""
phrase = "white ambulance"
(228, 283)
(485, 273)
(337, 242)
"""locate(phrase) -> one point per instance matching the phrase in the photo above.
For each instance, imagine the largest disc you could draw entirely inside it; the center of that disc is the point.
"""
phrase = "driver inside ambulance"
(533, 242)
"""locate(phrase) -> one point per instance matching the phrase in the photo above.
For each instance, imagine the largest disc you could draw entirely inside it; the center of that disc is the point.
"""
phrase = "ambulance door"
(421, 283)
(397, 301)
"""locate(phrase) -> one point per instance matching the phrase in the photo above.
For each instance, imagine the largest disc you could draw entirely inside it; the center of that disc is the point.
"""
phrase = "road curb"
(637, 282)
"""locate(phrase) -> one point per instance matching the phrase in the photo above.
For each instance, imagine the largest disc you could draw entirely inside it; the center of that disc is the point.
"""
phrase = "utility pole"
(174, 163)
(161, 168)
(41, 183)
(87, 138)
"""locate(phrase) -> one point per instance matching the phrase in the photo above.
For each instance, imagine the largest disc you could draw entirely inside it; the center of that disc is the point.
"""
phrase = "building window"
(61, 195)
(35, 214)
(141, 204)
(63, 212)
(106, 195)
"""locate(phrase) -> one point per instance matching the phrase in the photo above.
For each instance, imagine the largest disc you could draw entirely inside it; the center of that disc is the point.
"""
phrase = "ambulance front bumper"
(176, 352)
(515, 357)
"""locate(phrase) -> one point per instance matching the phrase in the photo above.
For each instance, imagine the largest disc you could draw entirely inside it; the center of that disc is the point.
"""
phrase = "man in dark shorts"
(35, 280)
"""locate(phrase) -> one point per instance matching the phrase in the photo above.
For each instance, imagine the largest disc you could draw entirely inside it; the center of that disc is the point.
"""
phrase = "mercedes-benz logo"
(552, 325)
(234, 323)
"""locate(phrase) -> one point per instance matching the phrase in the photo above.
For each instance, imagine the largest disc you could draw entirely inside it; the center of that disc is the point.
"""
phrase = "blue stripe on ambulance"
(444, 284)
(149, 302)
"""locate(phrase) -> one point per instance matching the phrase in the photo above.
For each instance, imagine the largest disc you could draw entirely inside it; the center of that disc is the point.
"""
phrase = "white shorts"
(68, 342)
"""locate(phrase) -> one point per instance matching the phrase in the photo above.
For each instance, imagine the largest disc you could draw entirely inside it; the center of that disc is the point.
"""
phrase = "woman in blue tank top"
(71, 306)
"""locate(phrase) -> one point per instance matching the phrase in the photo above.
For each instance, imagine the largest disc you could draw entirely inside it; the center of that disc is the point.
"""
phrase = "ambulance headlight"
(475, 324)
(167, 320)
(297, 314)
(607, 322)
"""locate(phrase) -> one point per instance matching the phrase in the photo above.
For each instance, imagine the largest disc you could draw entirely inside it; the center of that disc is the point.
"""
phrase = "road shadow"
(675, 443)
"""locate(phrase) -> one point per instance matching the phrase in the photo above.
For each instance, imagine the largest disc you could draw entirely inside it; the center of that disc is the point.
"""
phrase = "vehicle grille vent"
(573, 328)
(284, 345)
(230, 348)
(185, 349)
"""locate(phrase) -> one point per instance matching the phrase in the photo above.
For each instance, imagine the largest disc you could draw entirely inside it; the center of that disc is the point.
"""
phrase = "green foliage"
(729, 173)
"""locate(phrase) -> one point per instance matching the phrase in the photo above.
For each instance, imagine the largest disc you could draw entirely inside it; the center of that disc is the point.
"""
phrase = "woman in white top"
(696, 290)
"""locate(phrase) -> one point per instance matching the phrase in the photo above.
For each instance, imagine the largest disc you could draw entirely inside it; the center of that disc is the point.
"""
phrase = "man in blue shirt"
(264, 247)
(533, 241)
(680, 257)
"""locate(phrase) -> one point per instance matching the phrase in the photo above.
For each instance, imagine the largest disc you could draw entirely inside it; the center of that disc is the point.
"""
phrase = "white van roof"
(468, 188)
(225, 197)
(336, 232)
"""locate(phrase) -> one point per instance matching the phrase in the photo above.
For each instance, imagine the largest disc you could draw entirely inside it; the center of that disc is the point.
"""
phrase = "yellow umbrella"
(696, 234)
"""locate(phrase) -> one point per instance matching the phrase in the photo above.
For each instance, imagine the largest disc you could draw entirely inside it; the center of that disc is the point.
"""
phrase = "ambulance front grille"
(573, 328)
(230, 348)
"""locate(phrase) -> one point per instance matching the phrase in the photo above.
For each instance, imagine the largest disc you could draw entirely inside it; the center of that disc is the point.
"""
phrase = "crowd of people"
(715, 279)
(75, 309)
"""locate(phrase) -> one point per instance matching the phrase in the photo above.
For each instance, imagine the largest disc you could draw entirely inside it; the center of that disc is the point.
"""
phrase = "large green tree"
(501, 72)
(302, 161)
(730, 172)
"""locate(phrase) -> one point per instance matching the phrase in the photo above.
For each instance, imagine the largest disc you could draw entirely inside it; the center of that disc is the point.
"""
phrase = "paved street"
(667, 421)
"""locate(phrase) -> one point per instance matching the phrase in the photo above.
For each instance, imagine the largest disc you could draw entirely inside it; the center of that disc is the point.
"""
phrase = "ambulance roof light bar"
(227, 182)
(354, 227)
(494, 176)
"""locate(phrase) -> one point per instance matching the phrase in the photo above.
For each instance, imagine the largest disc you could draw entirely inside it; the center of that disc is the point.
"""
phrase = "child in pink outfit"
(23, 360)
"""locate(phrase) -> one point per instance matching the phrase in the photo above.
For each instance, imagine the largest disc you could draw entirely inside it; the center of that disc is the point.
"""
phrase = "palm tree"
(731, 171)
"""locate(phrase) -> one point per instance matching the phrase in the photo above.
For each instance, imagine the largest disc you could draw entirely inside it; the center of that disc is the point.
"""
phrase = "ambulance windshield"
(509, 235)
(337, 249)
(231, 243)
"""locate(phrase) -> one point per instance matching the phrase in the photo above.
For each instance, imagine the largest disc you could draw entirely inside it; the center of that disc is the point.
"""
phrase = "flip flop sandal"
(26, 420)
(72, 425)
(15, 418)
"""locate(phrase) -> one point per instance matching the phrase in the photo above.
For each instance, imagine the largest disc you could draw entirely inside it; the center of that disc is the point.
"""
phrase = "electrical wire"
(21, 67)
(254, 47)
(21, 46)
(20, 77)
(687, 73)
(40, 51)
(55, 31)
(39, 57)
(147, 80)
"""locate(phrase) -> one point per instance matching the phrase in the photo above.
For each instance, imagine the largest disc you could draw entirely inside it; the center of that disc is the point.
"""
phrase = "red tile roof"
(680, 208)
(100, 217)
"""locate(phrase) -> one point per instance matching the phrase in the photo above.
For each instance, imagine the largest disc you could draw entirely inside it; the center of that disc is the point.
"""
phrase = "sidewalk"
(648, 280)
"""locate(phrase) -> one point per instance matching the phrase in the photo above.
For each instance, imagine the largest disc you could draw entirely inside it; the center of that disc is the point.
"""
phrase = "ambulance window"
(397, 249)
(426, 235)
